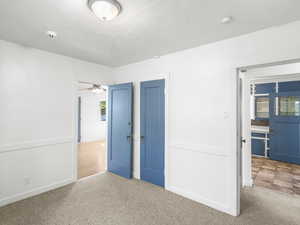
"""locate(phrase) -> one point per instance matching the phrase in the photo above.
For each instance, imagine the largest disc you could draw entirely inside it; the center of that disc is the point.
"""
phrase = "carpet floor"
(111, 200)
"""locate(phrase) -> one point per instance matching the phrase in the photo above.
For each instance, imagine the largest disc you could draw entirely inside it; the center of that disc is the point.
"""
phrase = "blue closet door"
(119, 155)
(285, 127)
(153, 132)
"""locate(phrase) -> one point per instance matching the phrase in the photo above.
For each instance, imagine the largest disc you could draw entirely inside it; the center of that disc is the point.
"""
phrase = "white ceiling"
(144, 29)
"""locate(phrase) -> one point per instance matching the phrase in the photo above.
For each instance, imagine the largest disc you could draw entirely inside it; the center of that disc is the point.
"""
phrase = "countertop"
(260, 129)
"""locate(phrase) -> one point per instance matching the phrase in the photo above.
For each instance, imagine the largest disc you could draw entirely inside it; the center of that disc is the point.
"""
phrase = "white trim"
(258, 95)
(237, 157)
(135, 175)
(260, 79)
(202, 149)
(248, 183)
(260, 138)
(75, 123)
(34, 144)
(200, 199)
(276, 105)
(36, 191)
(168, 80)
(91, 176)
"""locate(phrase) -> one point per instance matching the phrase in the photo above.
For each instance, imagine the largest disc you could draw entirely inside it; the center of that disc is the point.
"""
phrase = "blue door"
(119, 157)
(153, 132)
(285, 127)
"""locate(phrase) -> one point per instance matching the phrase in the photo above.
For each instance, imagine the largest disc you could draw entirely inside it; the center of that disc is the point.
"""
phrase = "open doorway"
(92, 128)
(271, 127)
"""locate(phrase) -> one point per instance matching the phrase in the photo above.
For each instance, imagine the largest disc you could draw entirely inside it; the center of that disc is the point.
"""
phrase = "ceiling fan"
(96, 88)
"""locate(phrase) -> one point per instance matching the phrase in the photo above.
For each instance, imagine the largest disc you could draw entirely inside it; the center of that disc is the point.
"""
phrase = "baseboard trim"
(36, 191)
(248, 183)
(200, 199)
(136, 175)
(91, 176)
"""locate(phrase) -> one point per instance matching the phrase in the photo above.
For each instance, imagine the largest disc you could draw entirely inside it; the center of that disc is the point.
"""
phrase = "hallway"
(91, 158)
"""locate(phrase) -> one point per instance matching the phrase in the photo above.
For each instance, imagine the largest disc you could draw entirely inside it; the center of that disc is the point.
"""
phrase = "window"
(289, 106)
(103, 110)
(262, 107)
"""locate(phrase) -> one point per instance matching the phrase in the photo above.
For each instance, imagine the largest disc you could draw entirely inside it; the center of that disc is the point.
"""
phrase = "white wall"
(37, 123)
(202, 106)
(275, 72)
(92, 128)
(37, 106)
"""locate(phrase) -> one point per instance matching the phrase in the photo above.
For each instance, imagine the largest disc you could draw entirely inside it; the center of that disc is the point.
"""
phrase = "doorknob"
(129, 137)
(142, 138)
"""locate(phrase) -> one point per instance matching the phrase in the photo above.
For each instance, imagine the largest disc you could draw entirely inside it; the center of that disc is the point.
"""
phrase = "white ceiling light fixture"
(105, 9)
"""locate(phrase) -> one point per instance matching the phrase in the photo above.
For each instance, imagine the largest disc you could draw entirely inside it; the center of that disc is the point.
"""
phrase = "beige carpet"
(91, 158)
(111, 200)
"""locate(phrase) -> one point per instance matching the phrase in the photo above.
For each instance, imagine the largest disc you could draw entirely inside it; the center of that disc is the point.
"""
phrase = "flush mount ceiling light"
(105, 9)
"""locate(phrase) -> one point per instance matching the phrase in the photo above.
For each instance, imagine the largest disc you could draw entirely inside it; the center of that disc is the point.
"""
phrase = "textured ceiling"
(144, 29)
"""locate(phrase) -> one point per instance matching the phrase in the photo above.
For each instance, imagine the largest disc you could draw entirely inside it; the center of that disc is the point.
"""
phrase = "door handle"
(142, 138)
(129, 137)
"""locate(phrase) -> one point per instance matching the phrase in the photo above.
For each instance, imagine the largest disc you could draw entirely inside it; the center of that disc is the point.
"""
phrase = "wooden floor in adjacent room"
(275, 175)
(91, 158)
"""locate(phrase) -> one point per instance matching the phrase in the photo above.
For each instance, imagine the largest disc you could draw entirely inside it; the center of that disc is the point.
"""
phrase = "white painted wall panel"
(202, 109)
(194, 174)
(92, 128)
(22, 171)
(38, 118)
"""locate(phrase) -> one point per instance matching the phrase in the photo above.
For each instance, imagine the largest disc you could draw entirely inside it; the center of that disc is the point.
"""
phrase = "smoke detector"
(51, 34)
(226, 20)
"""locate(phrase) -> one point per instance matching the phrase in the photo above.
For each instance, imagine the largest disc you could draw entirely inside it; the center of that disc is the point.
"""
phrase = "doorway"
(92, 126)
(271, 127)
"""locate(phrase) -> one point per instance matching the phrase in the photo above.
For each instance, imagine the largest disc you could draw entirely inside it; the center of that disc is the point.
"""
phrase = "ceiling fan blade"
(85, 89)
(84, 82)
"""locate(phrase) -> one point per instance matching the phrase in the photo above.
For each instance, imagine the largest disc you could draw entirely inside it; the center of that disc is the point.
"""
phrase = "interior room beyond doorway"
(91, 129)
(271, 127)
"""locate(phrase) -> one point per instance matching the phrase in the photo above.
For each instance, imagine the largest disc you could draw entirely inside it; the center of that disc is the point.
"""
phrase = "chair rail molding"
(202, 149)
(34, 144)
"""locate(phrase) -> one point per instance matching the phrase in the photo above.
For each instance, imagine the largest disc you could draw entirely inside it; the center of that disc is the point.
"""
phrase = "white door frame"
(75, 121)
